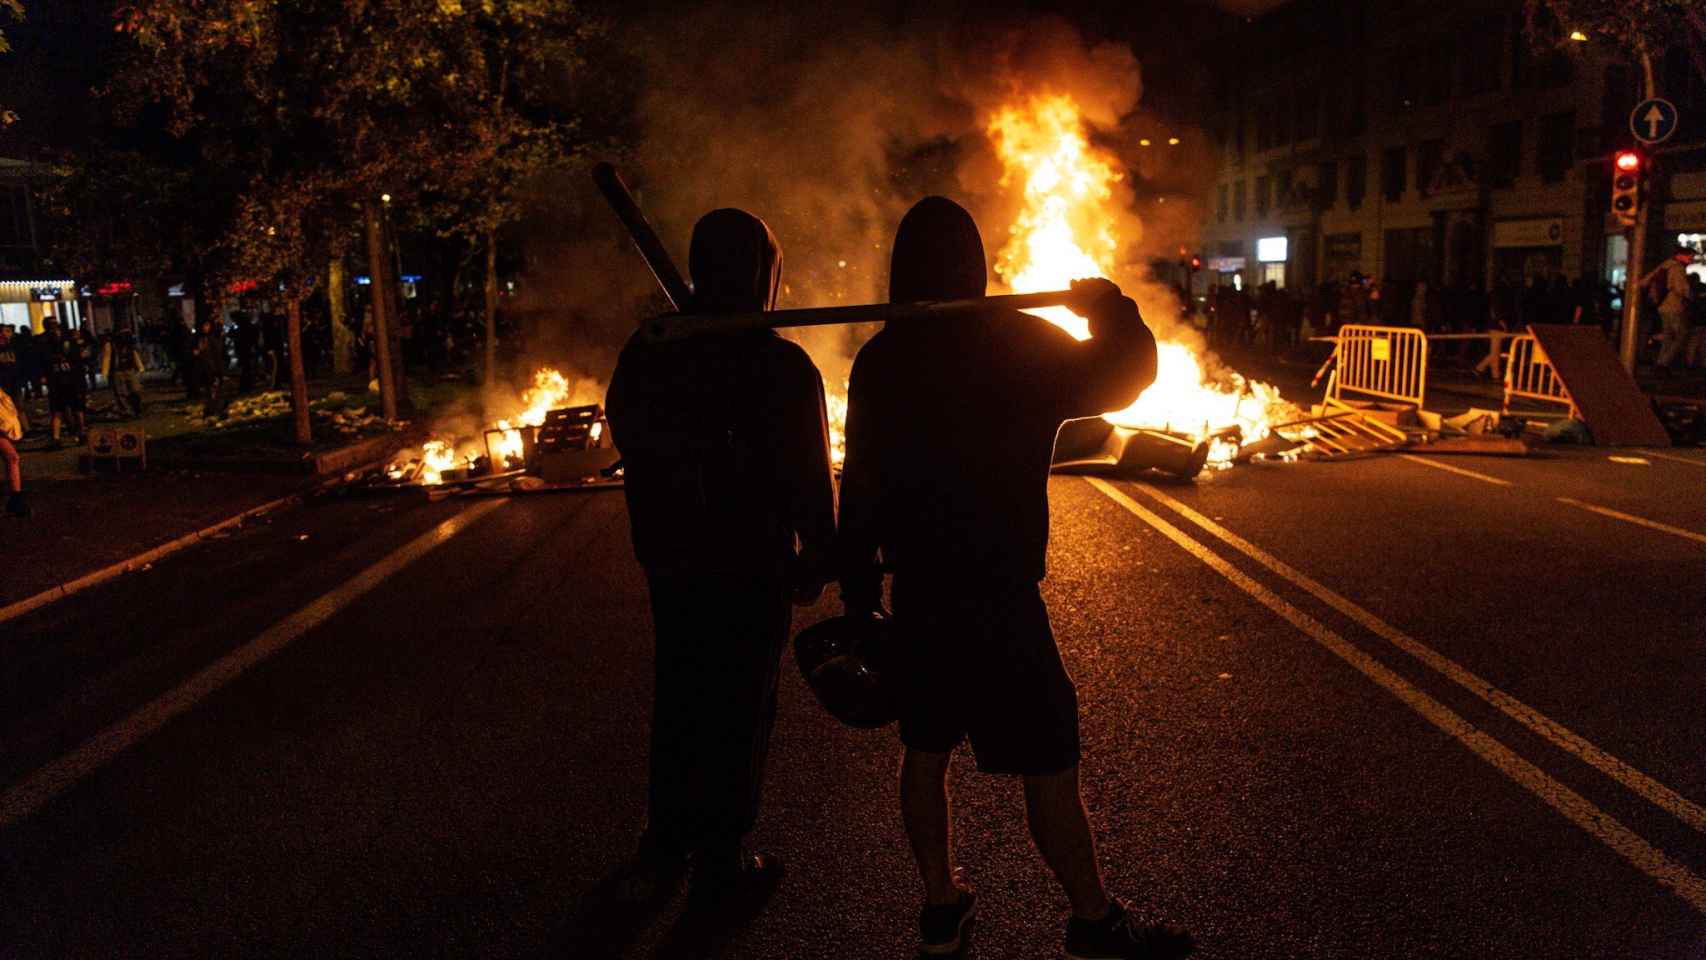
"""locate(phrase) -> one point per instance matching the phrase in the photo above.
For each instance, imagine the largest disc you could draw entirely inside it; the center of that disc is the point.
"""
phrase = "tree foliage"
(9, 10)
(325, 105)
(1645, 29)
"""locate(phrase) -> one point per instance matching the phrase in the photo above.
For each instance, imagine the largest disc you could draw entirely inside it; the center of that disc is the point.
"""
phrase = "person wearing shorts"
(950, 433)
(67, 400)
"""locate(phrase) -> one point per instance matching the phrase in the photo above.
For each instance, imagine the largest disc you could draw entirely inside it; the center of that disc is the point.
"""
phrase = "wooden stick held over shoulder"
(677, 327)
(645, 238)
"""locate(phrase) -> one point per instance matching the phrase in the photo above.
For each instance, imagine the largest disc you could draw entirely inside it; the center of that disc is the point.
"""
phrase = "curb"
(14, 610)
(42, 599)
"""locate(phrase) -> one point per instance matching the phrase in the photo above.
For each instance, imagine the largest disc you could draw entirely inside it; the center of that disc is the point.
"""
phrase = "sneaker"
(1119, 936)
(944, 929)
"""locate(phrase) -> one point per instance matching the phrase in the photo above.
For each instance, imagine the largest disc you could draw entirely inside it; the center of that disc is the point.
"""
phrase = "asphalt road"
(1395, 711)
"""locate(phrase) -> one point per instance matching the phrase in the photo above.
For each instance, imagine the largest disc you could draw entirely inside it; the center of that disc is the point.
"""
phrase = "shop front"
(1271, 254)
(29, 303)
(1685, 225)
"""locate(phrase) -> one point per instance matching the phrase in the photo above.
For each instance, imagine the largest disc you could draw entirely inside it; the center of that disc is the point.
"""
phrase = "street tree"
(9, 10)
(284, 227)
(1643, 29)
(120, 212)
(386, 98)
(513, 119)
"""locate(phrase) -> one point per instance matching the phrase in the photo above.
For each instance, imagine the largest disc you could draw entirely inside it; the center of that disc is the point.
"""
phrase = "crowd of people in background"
(215, 360)
(1672, 309)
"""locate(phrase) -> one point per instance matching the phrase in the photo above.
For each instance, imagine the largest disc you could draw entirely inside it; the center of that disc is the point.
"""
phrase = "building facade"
(1412, 141)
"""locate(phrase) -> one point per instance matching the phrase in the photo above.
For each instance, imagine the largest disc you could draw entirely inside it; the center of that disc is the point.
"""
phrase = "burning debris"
(545, 437)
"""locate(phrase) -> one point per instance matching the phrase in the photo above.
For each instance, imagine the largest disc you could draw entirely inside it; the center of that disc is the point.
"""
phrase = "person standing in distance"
(725, 445)
(950, 432)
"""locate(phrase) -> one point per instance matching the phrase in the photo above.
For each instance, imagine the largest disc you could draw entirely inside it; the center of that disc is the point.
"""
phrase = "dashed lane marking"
(28, 795)
(1448, 468)
(1554, 732)
(1674, 458)
(1573, 806)
(1638, 521)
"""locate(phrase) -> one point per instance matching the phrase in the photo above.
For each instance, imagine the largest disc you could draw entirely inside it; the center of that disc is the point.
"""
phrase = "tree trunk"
(491, 308)
(298, 374)
(381, 306)
(343, 339)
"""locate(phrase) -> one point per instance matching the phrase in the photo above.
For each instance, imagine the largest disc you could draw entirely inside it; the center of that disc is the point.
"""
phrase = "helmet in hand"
(848, 663)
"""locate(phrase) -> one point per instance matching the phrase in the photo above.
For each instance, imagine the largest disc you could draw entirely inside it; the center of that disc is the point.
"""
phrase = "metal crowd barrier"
(1387, 363)
(1530, 375)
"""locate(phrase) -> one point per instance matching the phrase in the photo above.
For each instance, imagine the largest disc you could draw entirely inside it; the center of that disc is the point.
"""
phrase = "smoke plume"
(828, 125)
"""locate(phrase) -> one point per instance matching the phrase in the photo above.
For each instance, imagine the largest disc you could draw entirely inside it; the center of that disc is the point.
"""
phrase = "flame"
(1063, 232)
(837, 409)
(550, 390)
(436, 457)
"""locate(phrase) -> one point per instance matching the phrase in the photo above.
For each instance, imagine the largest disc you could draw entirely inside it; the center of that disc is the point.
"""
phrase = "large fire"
(1064, 232)
(441, 455)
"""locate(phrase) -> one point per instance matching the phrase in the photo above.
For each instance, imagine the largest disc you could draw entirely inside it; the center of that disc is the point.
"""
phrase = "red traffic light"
(1628, 160)
(1196, 263)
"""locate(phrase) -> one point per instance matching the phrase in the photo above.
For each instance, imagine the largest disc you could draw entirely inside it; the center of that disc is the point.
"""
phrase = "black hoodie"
(724, 436)
(951, 424)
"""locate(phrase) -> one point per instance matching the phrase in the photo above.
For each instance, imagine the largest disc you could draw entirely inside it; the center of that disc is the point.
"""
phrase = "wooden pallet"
(1343, 432)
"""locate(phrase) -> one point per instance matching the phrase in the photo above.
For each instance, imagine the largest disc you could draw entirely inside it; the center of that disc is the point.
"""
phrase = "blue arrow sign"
(1653, 121)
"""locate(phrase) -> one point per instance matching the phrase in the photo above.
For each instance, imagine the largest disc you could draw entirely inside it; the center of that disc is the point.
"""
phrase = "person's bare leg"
(924, 809)
(1061, 829)
(14, 473)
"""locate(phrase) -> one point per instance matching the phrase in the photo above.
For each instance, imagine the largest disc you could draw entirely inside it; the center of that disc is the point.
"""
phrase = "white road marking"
(1675, 459)
(1638, 521)
(1448, 468)
(1554, 732)
(28, 795)
(1574, 807)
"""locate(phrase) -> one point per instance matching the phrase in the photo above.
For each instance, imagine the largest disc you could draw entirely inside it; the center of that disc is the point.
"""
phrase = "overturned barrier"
(1529, 375)
(1575, 367)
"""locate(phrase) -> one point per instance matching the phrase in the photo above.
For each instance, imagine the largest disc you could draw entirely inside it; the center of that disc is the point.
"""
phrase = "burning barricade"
(1065, 229)
(546, 443)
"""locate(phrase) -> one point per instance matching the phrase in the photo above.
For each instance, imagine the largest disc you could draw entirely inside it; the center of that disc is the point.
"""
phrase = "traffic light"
(1196, 263)
(1628, 169)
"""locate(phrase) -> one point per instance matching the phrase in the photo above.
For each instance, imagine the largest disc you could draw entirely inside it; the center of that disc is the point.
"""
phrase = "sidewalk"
(199, 475)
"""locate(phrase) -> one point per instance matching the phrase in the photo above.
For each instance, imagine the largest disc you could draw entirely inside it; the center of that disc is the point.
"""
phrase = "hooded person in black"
(725, 443)
(950, 433)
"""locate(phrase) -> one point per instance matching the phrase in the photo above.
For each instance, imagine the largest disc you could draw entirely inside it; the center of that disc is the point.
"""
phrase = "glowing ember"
(1063, 232)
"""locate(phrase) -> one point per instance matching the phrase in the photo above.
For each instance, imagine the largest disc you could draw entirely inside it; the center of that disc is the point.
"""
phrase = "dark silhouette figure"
(726, 447)
(950, 432)
(247, 337)
(67, 399)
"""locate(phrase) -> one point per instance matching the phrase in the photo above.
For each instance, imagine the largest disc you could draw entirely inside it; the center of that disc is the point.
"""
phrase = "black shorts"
(65, 395)
(980, 663)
